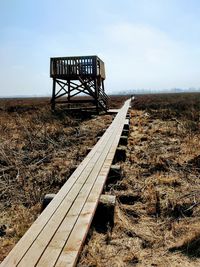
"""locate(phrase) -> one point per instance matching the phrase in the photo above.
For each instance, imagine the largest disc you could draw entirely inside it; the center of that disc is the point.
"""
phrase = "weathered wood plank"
(69, 255)
(57, 235)
(30, 236)
(68, 223)
(80, 190)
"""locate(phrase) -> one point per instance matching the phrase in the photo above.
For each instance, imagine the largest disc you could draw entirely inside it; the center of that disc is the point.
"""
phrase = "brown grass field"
(157, 213)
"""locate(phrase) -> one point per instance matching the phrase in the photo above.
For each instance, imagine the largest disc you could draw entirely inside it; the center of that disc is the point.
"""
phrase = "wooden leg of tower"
(102, 82)
(68, 93)
(96, 96)
(103, 89)
(53, 99)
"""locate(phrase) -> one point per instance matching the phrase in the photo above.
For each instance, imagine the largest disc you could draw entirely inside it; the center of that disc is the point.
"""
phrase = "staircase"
(102, 100)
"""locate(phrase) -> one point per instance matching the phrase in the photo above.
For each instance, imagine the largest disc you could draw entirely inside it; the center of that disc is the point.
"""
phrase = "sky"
(145, 44)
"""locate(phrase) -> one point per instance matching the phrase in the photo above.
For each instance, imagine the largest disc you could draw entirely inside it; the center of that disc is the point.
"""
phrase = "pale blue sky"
(144, 43)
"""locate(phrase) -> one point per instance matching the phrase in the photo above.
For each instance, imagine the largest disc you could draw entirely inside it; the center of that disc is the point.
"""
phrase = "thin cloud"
(141, 56)
(145, 44)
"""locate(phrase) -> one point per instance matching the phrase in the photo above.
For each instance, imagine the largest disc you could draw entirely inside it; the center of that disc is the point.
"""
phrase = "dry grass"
(38, 152)
(190, 243)
(161, 226)
(157, 212)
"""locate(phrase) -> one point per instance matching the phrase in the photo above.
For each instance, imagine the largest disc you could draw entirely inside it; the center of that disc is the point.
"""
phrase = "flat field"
(157, 213)
(38, 152)
(157, 217)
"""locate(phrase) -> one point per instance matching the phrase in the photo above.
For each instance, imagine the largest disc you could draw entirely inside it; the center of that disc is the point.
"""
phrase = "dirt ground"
(157, 214)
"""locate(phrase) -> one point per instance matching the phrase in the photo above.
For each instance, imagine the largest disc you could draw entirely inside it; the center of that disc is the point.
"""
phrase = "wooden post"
(68, 93)
(53, 95)
(120, 154)
(126, 125)
(89, 149)
(125, 132)
(104, 216)
(96, 95)
(47, 199)
(103, 88)
(114, 175)
(123, 140)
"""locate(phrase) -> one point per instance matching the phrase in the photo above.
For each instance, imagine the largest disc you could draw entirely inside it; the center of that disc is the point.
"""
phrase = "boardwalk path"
(57, 236)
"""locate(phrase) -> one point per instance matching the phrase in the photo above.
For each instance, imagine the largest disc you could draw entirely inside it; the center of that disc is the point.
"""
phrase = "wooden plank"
(55, 210)
(113, 111)
(29, 237)
(71, 250)
(43, 234)
(36, 250)
(56, 244)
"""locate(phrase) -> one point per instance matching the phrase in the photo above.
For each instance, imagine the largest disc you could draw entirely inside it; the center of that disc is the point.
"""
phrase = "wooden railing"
(71, 67)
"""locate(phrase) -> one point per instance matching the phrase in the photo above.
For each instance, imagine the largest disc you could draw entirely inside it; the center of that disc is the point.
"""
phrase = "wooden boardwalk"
(57, 236)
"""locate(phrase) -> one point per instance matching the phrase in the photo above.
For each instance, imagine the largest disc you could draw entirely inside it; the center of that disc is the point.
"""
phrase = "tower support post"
(53, 99)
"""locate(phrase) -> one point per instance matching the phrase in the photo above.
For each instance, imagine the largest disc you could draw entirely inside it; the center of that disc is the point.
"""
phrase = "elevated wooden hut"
(78, 75)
